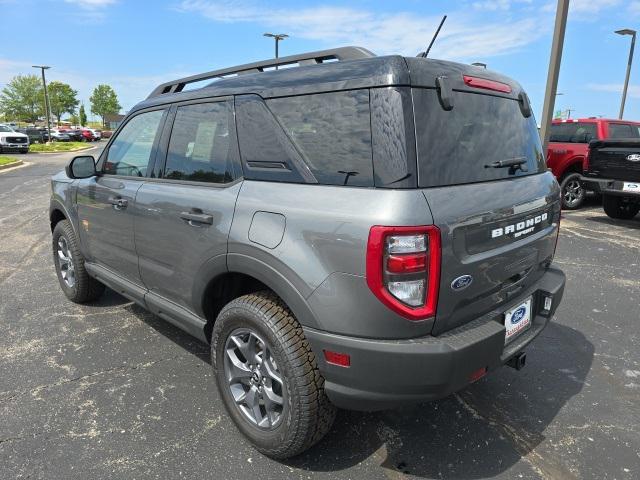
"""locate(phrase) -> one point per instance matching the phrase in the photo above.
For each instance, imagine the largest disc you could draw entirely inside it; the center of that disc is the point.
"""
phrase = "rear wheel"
(620, 208)
(74, 280)
(573, 191)
(267, 376)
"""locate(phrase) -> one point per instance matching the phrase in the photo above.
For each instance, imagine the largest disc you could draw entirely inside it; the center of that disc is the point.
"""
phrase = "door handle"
(197, 218)
(118, 203)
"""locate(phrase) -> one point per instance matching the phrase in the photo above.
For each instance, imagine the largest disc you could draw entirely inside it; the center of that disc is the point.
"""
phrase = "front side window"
(202, 145)
(333, 133)
(130, 152)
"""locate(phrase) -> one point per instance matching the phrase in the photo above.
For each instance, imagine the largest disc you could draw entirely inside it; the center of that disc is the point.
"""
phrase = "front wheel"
(573, 191)
(74, 280)
(620, 208)
(267, 376)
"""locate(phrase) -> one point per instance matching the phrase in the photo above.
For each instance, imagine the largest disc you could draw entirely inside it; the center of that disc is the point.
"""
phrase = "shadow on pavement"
(482, 431)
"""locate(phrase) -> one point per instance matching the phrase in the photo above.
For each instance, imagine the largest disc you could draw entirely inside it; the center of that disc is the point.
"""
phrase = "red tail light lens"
(403, 269)
(487, 84)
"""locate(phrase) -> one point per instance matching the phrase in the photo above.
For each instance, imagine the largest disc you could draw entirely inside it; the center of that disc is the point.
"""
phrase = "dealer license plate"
(517, 320)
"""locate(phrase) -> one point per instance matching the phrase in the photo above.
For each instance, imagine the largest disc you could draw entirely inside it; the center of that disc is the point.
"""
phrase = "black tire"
(573, 191)
(24, 151)
(307, 414)
(620, 208)
(83, 288)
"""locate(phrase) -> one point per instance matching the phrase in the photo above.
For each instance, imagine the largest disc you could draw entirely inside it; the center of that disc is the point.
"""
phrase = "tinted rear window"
(456, 146)
(333, 133)
(573, 132)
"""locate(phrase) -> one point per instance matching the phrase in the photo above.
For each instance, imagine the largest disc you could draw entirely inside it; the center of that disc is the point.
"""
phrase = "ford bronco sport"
(356, 232)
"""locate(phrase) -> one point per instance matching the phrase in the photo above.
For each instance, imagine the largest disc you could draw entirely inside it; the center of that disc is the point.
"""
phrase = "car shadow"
(634, 223)
(482, 431)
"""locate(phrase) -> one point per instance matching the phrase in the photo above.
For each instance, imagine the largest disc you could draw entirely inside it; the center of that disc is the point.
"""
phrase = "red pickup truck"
(568, 148)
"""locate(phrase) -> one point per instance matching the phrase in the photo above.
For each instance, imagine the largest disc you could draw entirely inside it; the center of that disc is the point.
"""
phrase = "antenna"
(426, 52)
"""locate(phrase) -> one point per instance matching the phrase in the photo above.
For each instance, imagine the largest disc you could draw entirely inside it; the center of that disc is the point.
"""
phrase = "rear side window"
(332, 131)
(459, 146)
(622, 130)
(573, 132)
(202, 144)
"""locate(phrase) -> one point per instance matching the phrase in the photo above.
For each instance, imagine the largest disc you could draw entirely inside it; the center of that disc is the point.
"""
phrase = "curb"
(11, 165)
(64, 151)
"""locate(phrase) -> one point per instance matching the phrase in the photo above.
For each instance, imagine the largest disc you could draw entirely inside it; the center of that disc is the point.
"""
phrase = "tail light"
(403, 269)
(585, 161)
(486, 84)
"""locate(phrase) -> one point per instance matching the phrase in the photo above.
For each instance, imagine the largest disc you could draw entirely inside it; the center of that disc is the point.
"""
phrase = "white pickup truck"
(11, 140)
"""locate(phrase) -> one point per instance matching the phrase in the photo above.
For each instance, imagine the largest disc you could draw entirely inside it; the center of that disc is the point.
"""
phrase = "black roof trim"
(311, 58)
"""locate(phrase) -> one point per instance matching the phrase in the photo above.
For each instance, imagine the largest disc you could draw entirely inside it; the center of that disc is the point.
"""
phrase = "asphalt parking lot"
(109, 391)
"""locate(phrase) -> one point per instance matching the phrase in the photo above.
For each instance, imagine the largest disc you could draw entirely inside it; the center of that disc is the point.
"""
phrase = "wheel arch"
(227, 277)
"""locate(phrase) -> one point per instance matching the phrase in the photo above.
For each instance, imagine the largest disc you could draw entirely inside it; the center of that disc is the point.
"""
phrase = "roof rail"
(311, 58)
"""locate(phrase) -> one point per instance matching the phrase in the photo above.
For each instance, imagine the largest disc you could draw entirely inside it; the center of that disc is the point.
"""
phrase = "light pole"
(277, 37)
(627, 31)
(555, 58)
(479, 64)
(46, 99)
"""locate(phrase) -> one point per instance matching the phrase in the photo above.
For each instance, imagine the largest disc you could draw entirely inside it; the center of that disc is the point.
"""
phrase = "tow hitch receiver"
(518, 361)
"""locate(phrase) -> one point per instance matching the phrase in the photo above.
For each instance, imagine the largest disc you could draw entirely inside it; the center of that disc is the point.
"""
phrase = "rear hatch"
(498, 224)
(615, 159)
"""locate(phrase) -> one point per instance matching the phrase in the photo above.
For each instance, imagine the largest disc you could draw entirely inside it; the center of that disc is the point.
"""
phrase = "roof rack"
(312, 58)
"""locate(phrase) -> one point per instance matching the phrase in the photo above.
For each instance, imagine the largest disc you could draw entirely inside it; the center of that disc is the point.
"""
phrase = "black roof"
(350, 68)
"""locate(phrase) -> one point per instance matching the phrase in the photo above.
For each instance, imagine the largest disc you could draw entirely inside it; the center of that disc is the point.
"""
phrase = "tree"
(23, 98)
(62, 99)
(104, 101)
(74, 119)
(83, 116)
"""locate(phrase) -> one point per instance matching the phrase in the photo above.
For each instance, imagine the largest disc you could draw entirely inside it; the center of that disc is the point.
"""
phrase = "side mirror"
(83, 166)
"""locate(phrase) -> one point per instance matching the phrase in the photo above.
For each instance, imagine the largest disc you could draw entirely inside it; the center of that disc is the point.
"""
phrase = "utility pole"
(47, 109)
(627, 31)
(554, 71)
(277, 37)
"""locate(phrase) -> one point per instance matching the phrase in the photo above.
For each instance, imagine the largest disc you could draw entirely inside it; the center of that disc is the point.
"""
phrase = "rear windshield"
(459, 146)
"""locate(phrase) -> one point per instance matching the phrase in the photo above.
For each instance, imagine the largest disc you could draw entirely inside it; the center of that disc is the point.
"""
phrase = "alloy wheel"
(254, 379)
(65, 261)
(573, 193)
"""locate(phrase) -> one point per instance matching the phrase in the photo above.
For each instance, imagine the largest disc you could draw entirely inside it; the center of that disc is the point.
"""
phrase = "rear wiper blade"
(511, 162)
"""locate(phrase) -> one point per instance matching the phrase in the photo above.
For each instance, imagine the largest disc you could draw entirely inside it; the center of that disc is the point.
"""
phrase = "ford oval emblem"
(462, 282)
(634, 157)
(518, 315)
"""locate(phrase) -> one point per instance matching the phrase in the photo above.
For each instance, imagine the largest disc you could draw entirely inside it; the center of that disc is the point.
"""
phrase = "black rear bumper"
(387, 373)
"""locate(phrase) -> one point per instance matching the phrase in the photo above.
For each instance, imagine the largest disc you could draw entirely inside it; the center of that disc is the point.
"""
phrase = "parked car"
(10, 140)
(35, 135)
(97, 134)
(59, 136)
(74, 135)
(87, 136)
(360, 233)
(615, 166)
(568, 147)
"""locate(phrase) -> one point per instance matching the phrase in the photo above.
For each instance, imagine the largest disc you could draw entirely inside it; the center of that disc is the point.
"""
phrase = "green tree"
(22, 98)
(104, 101)
(62, 99)
(74, 119)
(83, 116)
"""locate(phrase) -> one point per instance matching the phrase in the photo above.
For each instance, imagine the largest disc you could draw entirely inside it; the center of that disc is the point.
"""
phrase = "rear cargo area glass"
(457, 146)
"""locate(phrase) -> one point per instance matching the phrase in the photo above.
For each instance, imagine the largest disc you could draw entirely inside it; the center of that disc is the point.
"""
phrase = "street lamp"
(46, 99)
(277, 37)
(479, 64)
(627, 31)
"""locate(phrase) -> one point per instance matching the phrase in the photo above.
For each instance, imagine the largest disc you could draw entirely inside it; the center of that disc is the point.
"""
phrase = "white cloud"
(634, 8)
(92, 4)
(497, 5)
(633, 90)
(400, 32)
(586, 9)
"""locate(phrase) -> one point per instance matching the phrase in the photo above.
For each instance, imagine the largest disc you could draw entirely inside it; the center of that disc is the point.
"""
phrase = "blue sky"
(134, 45)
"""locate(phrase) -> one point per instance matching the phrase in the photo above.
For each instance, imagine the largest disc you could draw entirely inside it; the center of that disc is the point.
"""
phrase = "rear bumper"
(613, 187)
(387, 373)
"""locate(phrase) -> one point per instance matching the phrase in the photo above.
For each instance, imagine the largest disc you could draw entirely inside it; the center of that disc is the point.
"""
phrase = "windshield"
(465, 144)
(4, 128)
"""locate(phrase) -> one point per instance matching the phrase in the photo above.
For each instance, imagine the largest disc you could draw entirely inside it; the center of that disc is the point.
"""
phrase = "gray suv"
(355, 232)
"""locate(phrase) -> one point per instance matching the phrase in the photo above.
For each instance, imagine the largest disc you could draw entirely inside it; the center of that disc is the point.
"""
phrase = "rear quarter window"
(332, 131)
(457, 146)
(623, 130)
